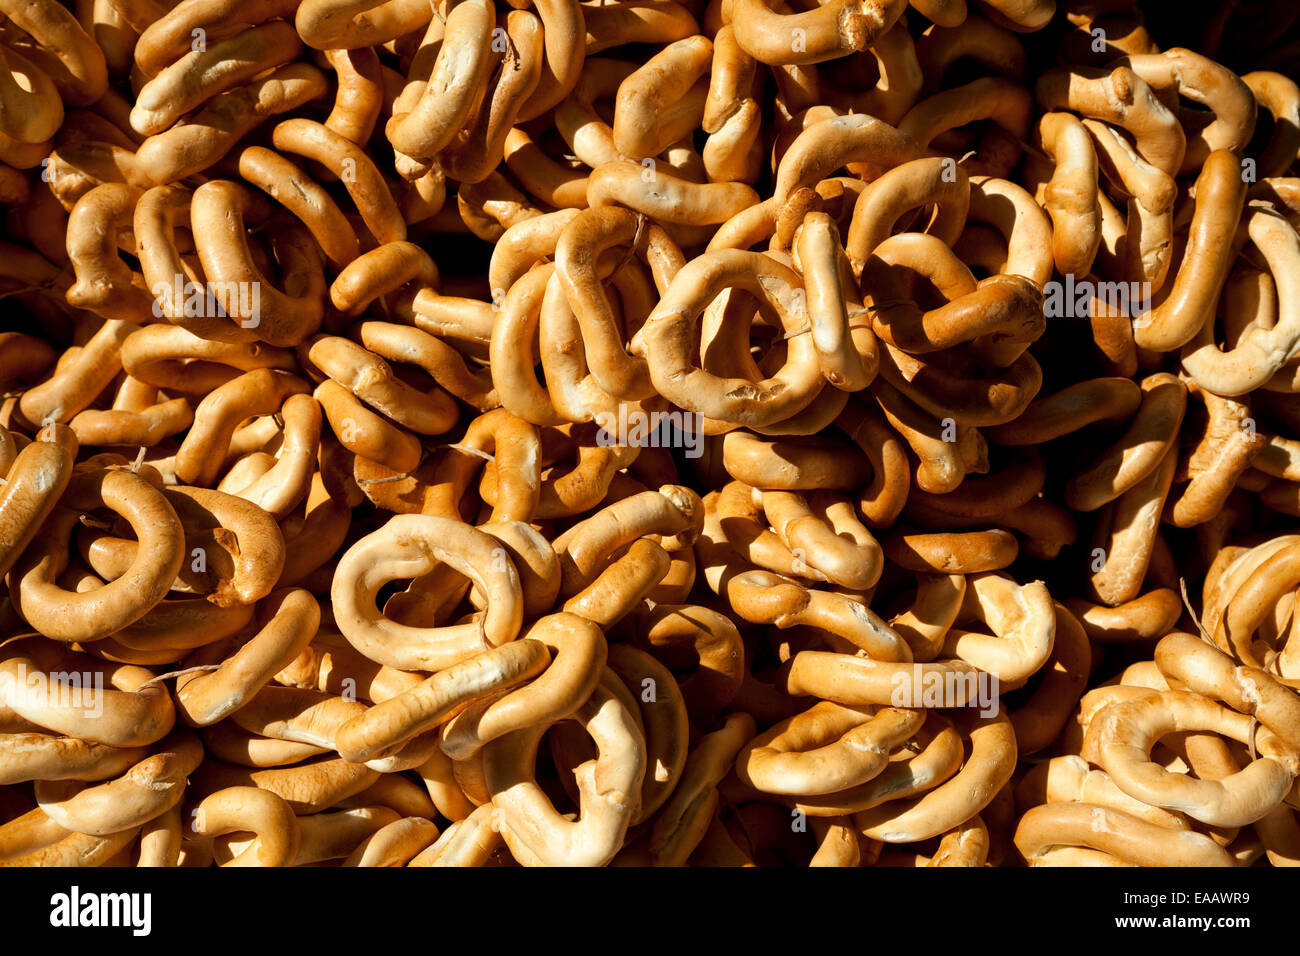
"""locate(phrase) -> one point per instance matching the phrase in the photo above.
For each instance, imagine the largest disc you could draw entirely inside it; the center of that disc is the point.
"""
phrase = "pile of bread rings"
(333, 525)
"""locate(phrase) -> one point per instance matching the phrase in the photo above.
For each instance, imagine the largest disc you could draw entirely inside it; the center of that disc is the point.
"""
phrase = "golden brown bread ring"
(610, 787)
(35, 479)
(1050, 416)
(250, 809)
(88, 616)
(1138, 451)
(145, 791)
(989, 764)
(825, 749)
(1115, 833)
(953, 552)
